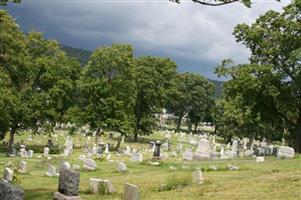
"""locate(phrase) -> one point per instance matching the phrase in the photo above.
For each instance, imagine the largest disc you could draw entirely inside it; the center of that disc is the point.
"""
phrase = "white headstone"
(30, 153)
(121, 167)
(197, 177)
(46, 151)
(8, 175)
(122, 140)
(51, 171)
(203, 149)
(259, 159)
(285, 152)
(22, 167)
(188, 155)
(234, 146)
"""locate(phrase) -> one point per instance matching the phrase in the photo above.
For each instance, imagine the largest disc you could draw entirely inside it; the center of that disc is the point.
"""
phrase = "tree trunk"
(179, 121)
(97, 135)
(297, 134)
(195, 126)
(11, 140)
(136, 130)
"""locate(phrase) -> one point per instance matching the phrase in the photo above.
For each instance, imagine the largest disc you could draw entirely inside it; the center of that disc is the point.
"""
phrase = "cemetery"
(191, 167)
(150, 100)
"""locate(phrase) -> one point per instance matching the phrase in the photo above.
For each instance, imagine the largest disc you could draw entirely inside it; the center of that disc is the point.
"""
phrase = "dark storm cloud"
(196, 37)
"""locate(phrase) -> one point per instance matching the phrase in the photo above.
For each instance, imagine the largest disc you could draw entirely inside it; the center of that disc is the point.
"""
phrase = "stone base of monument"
(201, 156)
(60, 196)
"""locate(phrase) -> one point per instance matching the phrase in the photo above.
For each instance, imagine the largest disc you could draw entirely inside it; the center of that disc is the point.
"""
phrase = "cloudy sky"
(196, 37)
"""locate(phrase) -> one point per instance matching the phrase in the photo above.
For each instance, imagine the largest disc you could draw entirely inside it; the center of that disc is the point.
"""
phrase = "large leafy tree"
(107, 90)
(53, 81)
(154, 78)
(14, 70)
(191, 95)
(270, 85)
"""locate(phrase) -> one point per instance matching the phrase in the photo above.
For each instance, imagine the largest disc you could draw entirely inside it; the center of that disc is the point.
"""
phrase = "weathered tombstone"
(259, 159)
(46, 151)
(179, 148)
(100, 148)
(131, 192)
(8, 175)
(234, 147)
(22, 167)
(99, 186)
(121, 167)
(203, 149)
(107, 149)
(122, 140)
(10, 192)
(249, 153)
(30, 153)
(68, 185)
(285, 152)
(157, 149)
(90, 164)
(51, 172)
(137, 157)
(188, 155)
(65, 164)
(197, 177)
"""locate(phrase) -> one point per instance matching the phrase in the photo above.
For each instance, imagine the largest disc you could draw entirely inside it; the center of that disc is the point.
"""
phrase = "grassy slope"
(273, 179)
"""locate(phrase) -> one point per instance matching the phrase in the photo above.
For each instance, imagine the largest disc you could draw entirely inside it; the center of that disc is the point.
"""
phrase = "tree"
(154, 78)
(14, 70)
(270, 85)
(190, 95)
(53, 82)
(107, 90)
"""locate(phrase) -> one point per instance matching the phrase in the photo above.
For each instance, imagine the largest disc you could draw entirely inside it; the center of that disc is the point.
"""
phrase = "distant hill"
(83, 56)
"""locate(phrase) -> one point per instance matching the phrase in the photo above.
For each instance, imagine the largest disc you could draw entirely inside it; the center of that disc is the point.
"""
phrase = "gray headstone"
(157, 149)
(131, 192)
(69, 182)
(10, 192)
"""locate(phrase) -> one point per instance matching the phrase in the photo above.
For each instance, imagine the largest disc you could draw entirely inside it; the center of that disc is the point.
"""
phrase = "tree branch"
(207, 3)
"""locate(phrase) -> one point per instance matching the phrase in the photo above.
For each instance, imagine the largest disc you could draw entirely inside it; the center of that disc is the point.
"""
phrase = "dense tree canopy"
(266, 92)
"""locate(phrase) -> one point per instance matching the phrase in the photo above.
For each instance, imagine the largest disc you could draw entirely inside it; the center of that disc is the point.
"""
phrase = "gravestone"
(101, 186)
(157, 149)
(46, 151)
(234, 147)
(22, 167)
(8, 175)
(188, 155)
(179, 148)
(249, 153)
(30, 153)
(197, 177)
(285, 152)
(131, 192)
(121, 167)
(259, 159)
(51, 172)
(10, 192)
(122, 140)
(90, 164)
(203, 149)
(68, 185)
(137, 157)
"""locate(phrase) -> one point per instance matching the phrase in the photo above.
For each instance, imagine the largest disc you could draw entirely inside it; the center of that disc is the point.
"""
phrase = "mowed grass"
(272, 179)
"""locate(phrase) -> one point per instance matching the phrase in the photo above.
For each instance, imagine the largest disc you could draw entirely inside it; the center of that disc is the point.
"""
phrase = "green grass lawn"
(272, 179)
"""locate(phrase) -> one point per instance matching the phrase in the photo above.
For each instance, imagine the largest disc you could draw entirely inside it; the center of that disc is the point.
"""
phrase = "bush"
(175, 182)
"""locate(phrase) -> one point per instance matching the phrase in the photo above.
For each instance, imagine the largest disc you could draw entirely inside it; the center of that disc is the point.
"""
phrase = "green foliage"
(193, 96)
(176, 182)
(262, 98)
(81, 55)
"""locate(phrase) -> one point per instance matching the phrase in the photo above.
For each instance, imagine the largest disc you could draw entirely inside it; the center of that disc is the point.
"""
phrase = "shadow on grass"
(38, 193)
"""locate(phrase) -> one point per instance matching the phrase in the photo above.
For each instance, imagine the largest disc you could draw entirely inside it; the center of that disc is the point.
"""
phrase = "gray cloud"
(196, 37)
